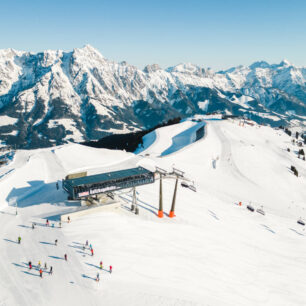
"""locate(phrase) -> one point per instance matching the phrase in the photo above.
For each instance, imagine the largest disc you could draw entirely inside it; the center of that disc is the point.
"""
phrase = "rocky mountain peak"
(151, 68)
(53, 97)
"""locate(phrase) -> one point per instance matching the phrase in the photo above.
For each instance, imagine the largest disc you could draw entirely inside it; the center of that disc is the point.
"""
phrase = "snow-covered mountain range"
(54, 97)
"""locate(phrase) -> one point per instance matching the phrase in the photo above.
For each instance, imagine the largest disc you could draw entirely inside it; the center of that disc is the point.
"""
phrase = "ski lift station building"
(87, 186)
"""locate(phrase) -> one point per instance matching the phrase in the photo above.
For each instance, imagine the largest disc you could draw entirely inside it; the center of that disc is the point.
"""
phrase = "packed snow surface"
(214, 252)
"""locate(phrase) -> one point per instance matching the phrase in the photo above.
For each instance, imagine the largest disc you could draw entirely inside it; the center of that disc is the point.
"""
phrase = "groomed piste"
(214, 252)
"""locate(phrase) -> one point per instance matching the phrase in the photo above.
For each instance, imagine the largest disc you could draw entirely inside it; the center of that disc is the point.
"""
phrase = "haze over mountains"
(54, 97)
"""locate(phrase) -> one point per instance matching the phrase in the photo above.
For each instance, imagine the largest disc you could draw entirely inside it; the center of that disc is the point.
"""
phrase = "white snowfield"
(214, 252)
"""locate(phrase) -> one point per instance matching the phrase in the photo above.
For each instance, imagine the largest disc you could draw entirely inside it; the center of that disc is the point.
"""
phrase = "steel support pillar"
(171, 213)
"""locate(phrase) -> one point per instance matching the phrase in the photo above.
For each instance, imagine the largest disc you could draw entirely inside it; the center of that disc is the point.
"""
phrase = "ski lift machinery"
(178, 172)
(179, 175)
(161, 171)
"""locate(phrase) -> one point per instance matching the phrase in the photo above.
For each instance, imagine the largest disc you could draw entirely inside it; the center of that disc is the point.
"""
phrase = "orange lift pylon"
(179, 174)
(161, 173)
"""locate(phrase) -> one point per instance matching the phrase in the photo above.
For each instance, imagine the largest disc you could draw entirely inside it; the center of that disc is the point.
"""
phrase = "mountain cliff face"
(54, 97)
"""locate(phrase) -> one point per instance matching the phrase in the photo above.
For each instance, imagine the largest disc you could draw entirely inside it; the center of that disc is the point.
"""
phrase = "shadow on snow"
(44, 242)
(39, 192)
(56, 257)
(8, 240)
(95, 266)
(89, 277)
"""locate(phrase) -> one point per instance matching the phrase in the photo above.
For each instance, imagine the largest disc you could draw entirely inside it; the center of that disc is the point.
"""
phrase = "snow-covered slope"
(213, 252)
(54, 97)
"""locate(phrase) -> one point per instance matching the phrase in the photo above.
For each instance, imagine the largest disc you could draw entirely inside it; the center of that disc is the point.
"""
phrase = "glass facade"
(85, 190)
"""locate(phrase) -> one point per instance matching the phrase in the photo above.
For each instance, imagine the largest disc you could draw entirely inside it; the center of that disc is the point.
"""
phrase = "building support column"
(136, 206)
(160, 209)
(133, 199)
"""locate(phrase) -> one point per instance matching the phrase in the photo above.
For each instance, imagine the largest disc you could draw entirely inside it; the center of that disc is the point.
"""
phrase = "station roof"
(104, 177)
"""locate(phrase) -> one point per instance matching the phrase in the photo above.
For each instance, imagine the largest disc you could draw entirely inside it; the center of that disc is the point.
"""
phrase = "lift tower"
(161, 172)
(179, 175)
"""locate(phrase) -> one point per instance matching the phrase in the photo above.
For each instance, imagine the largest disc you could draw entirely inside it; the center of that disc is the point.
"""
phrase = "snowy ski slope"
(213, 252)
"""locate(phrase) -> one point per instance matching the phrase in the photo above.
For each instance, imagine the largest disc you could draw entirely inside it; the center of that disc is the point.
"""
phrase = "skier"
(98, 277)
(68, 219)
(55, 242)
(53, 225)
(87, 243)
(101, 265)
(19, 239)
(39, 265)
(83, 247)
(33, 225)
(45, 266)
(90, 246)
(51, 270)
(56, 185)
(40, 272)
(65, 256)
(47, 222)
(92, 252)
(60, 224)
(110, 269)
(30, 265)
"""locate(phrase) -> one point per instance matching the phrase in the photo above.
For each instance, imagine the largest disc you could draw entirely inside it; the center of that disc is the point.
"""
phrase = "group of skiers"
(47, 224)
(39, 268)
(101, 263)
(90, 248)
(101, 267)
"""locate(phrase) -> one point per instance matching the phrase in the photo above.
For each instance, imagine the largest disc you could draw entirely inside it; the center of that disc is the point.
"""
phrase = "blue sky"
(217, 34)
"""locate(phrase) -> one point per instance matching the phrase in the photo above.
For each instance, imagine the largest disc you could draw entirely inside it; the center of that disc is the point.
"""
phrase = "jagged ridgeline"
(54, 97)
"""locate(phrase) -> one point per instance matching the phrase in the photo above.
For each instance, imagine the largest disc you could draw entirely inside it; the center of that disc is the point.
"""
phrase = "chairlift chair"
(184, 184)
(260, 211)
(192, 187)
(250, 208)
